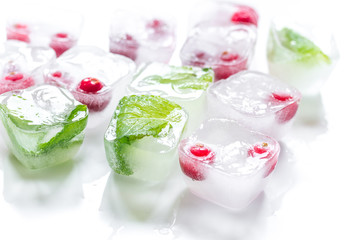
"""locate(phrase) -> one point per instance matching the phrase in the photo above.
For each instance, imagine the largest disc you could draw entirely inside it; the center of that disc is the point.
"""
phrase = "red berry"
(263, 151)
(288, 112)
(228, 57)
(200, 59)
(245, 14)
(283, 97)
(61, 42)
(57, 74)
(193, 166)
(20, 26)
(200, 150)
(18, 32)
(155, 23)
(13, 76)
(90, 85)
(61, 35)
(258, 149)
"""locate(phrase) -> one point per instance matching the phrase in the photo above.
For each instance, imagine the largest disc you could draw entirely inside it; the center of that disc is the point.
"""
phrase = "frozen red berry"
(288, 112)
(18, 32)
(193, 165)
(90, 85)
(263, 151)
(155, 24)
(57, 74)
(14, 81)
(61, 42)
(228, 56)
(229, 64)
(200, 150)
(200, 59)
(246, 15)
(126, 45)
(14, 76)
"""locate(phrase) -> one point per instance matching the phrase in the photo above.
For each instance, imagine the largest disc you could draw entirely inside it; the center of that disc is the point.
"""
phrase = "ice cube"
(142, 137)
(224, 13)
(227, 49)
(227, 164)
(257, 100)
(185, 86)
(45, 27)
(142, 37)
(44, 125)
(21, 64)
(95, 78)
(301, 55)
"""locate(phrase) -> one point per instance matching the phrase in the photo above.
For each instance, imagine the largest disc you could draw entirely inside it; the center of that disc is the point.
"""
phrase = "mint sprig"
(184, 78)
(135, 118)
(303, 47)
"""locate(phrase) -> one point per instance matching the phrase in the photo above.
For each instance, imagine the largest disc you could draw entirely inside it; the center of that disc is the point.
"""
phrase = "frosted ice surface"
(250, 93)
(171, 81)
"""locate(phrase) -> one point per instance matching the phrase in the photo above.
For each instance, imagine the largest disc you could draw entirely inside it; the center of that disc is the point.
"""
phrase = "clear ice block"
(224, 13)
(185, 86)
(227, 49)
(301, 55)
(21, 65)
(257, 100)
(58, 29)
(227, 164)
(44, 125)
(95, 78)
(142, 37)
(142, 138)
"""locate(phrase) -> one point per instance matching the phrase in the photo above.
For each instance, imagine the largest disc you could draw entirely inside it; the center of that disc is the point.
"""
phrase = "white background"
(314, 193)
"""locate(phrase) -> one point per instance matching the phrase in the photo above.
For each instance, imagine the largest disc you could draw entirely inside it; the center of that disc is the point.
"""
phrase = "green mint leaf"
(181, 78)
(137, 117)
(74, 125)
(302, 46)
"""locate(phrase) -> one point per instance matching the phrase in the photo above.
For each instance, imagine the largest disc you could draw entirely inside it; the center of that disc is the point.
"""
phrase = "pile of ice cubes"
(221, 120)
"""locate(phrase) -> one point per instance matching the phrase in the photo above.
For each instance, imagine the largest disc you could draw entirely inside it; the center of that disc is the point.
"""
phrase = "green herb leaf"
(137, 117)
(184, 78)
(302, 46)
(74, 125)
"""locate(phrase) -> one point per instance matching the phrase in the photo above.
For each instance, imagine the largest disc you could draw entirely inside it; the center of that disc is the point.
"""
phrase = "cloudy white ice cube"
(300, 54)
(142, 37)
(226, 163)
(81, 62)
(227, 49)
(259, 101)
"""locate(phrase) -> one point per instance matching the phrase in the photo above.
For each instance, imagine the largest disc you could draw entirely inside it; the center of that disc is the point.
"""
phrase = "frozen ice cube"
(185, 86)
(44, 125)
(142, 137)
(95, 78)
(142, 37)
(257, 100)
(301, 55)
(227, 164)
(20, 65)
(45, 27)
(227, 49)
(224, 13)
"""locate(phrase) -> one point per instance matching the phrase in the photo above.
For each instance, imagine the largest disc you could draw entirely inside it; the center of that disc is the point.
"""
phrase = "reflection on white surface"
(56, 186)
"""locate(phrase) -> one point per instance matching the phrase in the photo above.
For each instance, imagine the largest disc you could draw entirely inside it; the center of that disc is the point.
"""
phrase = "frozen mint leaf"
(74, 125)
(135, 118)
(302, 46)
(184, 78)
